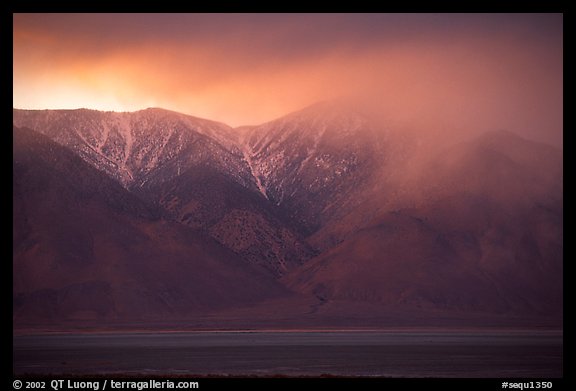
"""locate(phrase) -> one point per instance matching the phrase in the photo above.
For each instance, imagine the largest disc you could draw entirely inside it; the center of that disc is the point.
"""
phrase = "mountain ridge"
(339, 208)
(86, 248)
(169, 154)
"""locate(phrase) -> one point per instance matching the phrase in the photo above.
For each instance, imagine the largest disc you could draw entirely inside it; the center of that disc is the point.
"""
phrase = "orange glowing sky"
(472, 70)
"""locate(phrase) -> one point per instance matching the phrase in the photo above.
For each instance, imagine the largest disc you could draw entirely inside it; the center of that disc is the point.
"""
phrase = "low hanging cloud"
(476, 72)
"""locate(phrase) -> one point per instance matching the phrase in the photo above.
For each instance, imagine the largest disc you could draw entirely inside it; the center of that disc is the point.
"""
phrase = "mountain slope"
(396, 219)
(190, 168)
(133, 147)
(485, 234)
(314, 163)
(84, 247)
(500, 165)
(238, 218)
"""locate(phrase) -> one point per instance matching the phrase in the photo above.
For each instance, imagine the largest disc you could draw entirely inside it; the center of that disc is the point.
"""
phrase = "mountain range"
(160, 215)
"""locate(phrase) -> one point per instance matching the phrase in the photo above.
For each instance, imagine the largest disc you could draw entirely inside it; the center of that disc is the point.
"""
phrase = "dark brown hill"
(86, 248)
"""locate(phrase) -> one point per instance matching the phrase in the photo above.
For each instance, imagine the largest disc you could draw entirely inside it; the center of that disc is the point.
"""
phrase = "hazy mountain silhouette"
(325, 202)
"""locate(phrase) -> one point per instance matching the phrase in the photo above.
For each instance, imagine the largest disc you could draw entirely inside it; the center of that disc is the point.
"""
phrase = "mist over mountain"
(327, 203)
(314, 162)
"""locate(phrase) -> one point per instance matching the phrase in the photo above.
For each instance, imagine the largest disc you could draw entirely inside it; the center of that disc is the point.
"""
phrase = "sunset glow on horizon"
(472, 70)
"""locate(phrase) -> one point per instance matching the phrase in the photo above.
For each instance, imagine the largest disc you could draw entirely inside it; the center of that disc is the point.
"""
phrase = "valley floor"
(305, 314)
(446, 354)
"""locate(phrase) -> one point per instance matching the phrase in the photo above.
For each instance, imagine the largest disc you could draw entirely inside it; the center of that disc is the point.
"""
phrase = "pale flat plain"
(413, 354)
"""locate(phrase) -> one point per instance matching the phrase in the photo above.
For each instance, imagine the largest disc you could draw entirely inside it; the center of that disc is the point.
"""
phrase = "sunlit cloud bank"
(462, 71)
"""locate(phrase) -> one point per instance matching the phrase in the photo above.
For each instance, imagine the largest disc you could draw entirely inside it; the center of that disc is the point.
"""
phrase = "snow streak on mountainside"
(314, 161)
(253, 169)
(132, 147)
(194, 170)
(86, 248)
